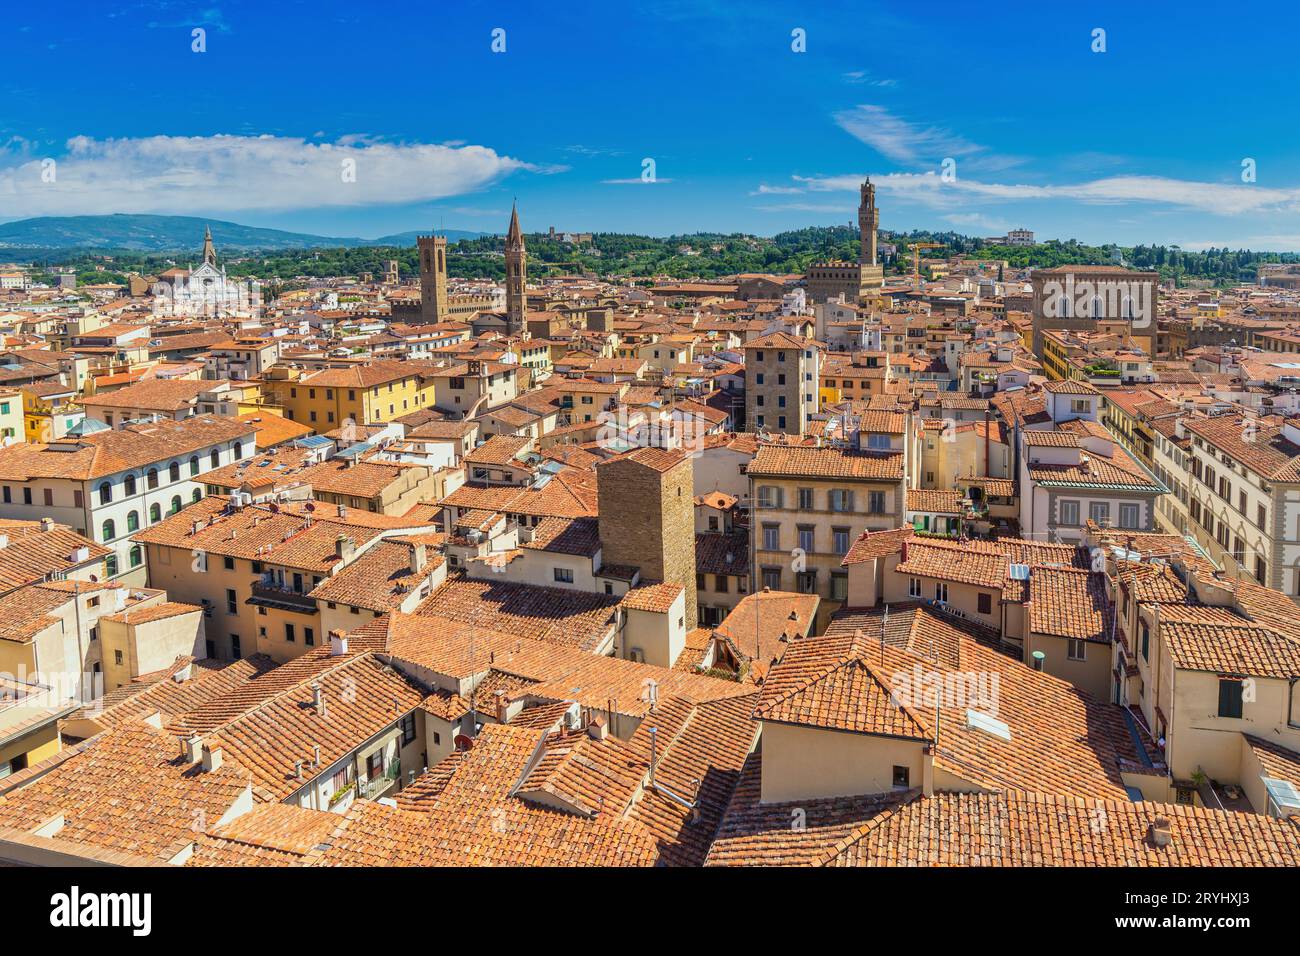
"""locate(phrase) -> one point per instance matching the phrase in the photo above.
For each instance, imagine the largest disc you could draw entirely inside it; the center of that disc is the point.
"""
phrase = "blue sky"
(1143, 142)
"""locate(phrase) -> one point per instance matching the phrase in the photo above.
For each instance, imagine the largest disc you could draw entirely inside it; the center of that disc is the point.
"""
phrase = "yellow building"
(364, 394)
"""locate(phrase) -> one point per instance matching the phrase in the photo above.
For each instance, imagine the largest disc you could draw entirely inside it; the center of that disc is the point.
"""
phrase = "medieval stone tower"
(647, 517)
(433, 278)
(868, 223)
(516, 276)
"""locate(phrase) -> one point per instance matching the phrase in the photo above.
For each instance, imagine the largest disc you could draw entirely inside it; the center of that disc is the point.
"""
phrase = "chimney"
(502, 708)
(1162, 833)
(338, 643)
(4, 541)
(418, 558)
(344, 547)
(182, 674)
(343, 511)
(297, 769)
(47, 524)
(211, 758)
(318, 698)
(191, 748)
(597, 729)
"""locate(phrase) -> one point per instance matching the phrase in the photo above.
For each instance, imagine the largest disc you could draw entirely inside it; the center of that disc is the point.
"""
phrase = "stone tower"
(647, 517)
(868, 223)
(433, 278)
(516, 276)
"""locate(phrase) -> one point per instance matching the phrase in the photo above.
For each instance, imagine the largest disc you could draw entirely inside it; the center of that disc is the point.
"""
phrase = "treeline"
(699, 255)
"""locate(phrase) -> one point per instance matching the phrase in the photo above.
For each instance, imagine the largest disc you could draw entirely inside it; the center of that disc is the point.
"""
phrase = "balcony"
(376, 787)
(284, 599)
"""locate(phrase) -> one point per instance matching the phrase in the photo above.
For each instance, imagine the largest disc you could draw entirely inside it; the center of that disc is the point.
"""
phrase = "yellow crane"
(916, 258)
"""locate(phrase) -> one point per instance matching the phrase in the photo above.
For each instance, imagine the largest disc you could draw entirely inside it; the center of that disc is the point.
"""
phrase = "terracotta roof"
(793, 461)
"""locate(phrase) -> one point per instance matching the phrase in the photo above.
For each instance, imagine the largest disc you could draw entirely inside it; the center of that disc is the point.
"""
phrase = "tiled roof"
(794, 461)
(1067, 602)
(717, 553)
(30, 554)
(378, 580)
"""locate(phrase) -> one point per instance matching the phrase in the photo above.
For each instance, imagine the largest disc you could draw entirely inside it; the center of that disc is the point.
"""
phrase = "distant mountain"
(408, 238)
(140, 233)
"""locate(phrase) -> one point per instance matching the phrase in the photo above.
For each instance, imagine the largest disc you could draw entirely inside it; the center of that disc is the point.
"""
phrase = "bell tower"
(516, 275)
(433, 278)
(868, 223)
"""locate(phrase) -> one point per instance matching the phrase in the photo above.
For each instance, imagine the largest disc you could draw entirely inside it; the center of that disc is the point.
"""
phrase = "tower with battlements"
(433, 278)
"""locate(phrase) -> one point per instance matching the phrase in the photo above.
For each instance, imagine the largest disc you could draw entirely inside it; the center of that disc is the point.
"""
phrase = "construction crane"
(916, 258)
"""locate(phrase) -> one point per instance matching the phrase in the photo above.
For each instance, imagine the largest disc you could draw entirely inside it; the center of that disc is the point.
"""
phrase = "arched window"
(155, 513)
(216, 458)
(135, 556)
(239, 450)
(1128, 307)
(132, 521)
(128, 485)
(176, 504)
(110, 530)
(174, 471)
(105, 493)
(1063, 308)
(1098, 310)
(110, 566)
(194, 464)
(152, 478)
(198, 494)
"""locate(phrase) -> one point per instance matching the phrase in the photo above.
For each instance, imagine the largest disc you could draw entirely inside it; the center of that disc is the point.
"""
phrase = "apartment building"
(810, 504)
(782, 377)
(110, 484)
(360, 393)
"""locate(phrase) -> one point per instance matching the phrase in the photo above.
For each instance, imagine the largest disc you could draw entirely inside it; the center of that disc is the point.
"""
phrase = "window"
(110, 530)
(155, 513)
(1230, 696)
(941, 591)
(194, 464)
(840, 540)
(128, 485)
(1077, 650)
(772, 578)
(914, 587)
(408, 730)
(985, 603)
(132, 521)
(770, 497)
(135, 557)
(876, 502)
(902, 777)
(228, 562)
(117, 658)
(176, 505)
(235, 651)
(289, 634)
(110, 565)
(563, 575)
(232, 601)
(839, 586)
(1070, 513)
(806, 582)
(720, 583)
(151, 478)
(1261, 517)
(1099, 511)
(215, 458)
(309, 636)
(1146, 640)
(806, 538)
(1128, 515)
(841, 500)
(878, 441)
(105, 493)
(771, 537)
(1261, 571)
(805, 499)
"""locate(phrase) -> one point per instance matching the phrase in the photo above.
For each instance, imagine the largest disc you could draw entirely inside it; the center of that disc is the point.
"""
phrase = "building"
(647, 517)
(782, 376)
(1096, 299)
(828, 281)
(433, 279)
(110, 484)
(516, 276)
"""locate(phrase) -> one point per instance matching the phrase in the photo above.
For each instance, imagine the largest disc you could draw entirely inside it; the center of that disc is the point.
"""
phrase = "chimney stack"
(47, 524)
(338, 643)
(1162, 833)
(191, 748)
(344, 547)
(318, 698)
(419, 557)
(597, 729)
(211, 758)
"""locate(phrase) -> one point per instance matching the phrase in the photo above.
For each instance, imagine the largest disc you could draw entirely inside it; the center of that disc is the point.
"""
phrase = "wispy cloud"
(914, 144)
(930, 189)
(863, 78)
(177, 174)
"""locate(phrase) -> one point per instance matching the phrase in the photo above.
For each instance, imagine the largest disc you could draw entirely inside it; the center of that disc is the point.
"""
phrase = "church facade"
(205, 292)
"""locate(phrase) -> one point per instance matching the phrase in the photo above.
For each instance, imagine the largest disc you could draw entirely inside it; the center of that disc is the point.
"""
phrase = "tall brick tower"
(516, 275)
(433, 278)
(647, 517)
(868, 224)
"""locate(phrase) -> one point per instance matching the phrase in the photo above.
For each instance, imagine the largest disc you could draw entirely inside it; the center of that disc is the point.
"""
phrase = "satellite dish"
(463, 742)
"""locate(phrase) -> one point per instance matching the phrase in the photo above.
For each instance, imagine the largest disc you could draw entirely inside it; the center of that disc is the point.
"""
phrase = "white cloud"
(225, 173)
(929, 189)
(897, 139)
